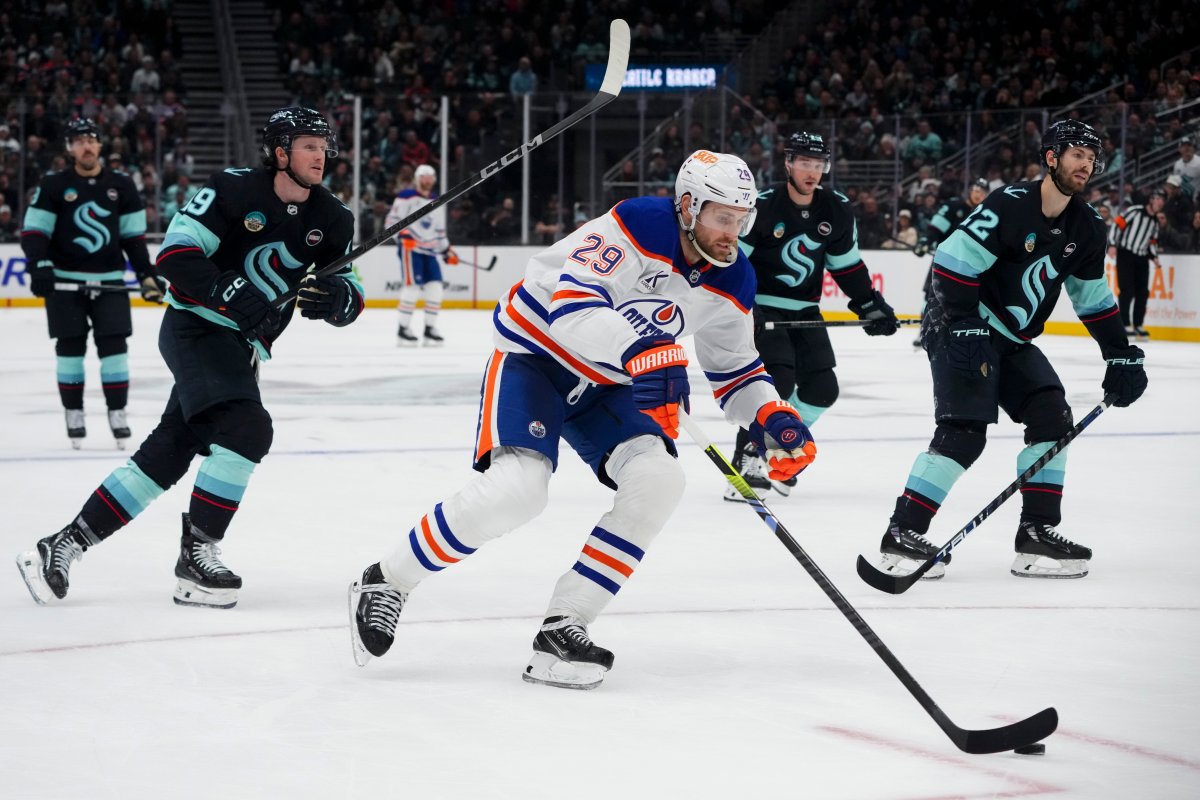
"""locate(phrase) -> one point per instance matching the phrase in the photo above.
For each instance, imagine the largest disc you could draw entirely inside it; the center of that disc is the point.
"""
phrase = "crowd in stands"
(114, 61)
(908, 84)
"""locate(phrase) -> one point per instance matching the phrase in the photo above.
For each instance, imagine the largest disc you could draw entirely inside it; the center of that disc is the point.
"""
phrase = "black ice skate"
(204, 580)
(754, 470)
(120, 426)
(433, 338)
(405, 338)
(904, 550)
(565, 657)
(1043, 553)
(375, 607)
(76, 427)
(47, 567)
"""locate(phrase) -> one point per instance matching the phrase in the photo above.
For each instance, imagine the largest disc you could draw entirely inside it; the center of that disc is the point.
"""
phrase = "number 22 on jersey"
(609, 257)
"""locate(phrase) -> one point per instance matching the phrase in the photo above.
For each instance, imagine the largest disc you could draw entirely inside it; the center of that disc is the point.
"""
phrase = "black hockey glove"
(881, 319)
(329, 297)
(922, 248)
(1125, 377)
(41, 280)
(243, 304)
(967, 346)
(152, 288)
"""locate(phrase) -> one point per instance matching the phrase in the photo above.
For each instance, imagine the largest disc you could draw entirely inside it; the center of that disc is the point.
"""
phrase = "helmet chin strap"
(1058, 183)
(690, 233)
(295, 178)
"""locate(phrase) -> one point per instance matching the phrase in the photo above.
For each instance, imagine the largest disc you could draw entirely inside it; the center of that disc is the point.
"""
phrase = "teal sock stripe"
(115, 368)
(1055, 471)
(808, 413)
(225, 474)
(132, 488)
(70, 369)
(933, 476)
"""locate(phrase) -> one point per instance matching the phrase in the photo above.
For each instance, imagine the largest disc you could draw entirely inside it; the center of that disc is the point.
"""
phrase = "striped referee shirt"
(1136, 231)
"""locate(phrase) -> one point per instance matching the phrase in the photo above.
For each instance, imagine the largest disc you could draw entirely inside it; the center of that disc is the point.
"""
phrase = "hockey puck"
(1036, 749)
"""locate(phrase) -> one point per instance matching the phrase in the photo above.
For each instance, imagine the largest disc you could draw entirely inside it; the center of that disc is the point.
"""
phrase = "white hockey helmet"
(424, 170)
(717, 177)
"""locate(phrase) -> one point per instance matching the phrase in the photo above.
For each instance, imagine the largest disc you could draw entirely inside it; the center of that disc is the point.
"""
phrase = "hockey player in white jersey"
(587, 351)
(419, 249)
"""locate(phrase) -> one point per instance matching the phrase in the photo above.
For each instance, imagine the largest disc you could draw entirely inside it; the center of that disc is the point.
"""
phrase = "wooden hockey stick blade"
(614, 78)
(829, 323)
(898, 584)
(992, 740)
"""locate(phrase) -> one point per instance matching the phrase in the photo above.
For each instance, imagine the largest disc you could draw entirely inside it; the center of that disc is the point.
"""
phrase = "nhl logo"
(804, 213)
(112, 195)
(694, 276)
(255, 221)
(779, 230)
(70, 195)
(314, 237)
(1030, 242)
(537, 430)
(293, 209)
(824, 229)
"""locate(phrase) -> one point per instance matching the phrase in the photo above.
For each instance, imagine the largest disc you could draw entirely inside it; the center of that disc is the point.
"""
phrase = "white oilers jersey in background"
(622, 276)
(428, 234)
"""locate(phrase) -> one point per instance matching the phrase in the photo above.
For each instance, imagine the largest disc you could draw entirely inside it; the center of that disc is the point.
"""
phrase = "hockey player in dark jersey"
(75, 229)
(246, 238)
(948, 215)
(996, 279)
(802, 230)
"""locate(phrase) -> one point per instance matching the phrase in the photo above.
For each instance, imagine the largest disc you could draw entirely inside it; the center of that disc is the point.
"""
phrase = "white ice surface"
(735, 676)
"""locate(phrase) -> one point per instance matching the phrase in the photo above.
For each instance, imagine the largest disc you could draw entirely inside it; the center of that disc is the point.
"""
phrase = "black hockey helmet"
(808, 145)
(1068, 133)
(980, 183)
(287, 123)
(77, 128)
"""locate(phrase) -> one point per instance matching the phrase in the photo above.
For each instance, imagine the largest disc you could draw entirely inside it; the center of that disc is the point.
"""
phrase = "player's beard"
(1061, 185)
(799, 189)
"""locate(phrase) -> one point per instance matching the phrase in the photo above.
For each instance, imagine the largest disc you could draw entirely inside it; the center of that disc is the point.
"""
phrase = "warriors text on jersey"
(623, 276)
(428, 234)
(237, 223)
(791, 246)
(81, 224)
(1007, 263)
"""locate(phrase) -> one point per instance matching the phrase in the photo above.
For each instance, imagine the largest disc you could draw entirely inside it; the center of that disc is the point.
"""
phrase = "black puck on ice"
(1035, 749)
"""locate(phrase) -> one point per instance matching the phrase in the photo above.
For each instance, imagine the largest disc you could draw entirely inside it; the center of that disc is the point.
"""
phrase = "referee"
(1133, 241)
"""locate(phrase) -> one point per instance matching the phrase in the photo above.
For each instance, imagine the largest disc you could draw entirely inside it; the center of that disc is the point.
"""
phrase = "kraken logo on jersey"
(653, 316)
(87, 220)
(1033, 283)
(795, 256)
(265, 265)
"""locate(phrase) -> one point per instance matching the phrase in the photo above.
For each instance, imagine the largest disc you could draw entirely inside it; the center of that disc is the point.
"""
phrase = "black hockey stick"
(897, 584)
(481, 267)
(614, 78)
(992, 740)
(830, 323)
(63, 286)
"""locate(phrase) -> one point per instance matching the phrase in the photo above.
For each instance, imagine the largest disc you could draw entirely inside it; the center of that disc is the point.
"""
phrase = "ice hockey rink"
(735, 676)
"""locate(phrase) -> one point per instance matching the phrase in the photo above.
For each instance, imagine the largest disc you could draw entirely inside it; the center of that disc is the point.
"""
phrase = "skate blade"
(431, 343)
(1030, 566)
(903, 565)
(77, 443)
(357, 648)
(406, 343)
(781, 487)
(30, 565)
(550, 670)
(122, 442)
(189, 593)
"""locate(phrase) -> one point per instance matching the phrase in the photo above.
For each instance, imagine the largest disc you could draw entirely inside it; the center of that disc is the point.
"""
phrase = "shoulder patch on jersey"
(841, 196)
(765, 193)
(239, 171)
(1015, 192)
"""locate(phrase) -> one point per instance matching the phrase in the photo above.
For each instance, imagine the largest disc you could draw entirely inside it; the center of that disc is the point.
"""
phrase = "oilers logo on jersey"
(653, 316)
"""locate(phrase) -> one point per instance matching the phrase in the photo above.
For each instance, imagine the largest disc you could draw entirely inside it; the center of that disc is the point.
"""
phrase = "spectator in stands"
(906, 234)
(502, 223)
(1179, 207)
(872, 228)
(1187, 167)
(924, 147)
(415, 152)
(146, 79)
(523, 81)
(8, 225)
